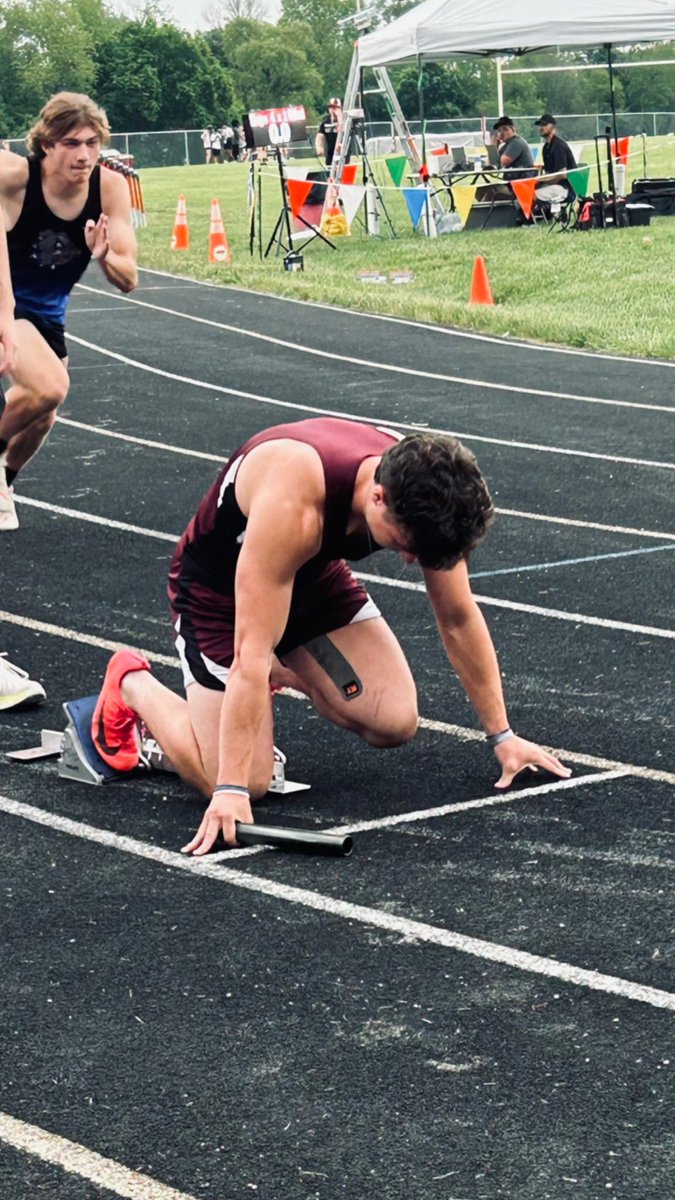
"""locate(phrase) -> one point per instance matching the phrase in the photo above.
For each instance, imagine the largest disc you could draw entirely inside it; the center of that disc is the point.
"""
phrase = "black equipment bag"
(658, 192)
(601, 211)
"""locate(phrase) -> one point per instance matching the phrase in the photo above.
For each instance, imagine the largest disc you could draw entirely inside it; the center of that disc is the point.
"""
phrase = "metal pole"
(500, 87)
(611, 93)
(187, 149)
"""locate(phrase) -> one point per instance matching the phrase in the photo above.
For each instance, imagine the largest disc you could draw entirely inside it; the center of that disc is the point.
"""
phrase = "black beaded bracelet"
(231, 787)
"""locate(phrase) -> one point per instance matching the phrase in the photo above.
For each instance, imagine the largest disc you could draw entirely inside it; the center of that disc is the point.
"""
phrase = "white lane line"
(87, 639)
(94, 308)
(504, 512)
(78, 515)
(534, 609)
(570, 562)
(493, 339)
(415, 372)
(127, 437)
(77, 1160)
(401, 584)
(530, 516)
(329, 412)
(415, 931)
(461, 732)
(443, 810)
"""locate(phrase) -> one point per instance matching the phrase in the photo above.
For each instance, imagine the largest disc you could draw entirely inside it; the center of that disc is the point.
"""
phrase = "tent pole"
(420, 102)
(423, 121)
(612, 97)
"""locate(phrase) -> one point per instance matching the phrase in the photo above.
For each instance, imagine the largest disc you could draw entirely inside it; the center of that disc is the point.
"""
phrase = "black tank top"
(47, 254)
(209, 549)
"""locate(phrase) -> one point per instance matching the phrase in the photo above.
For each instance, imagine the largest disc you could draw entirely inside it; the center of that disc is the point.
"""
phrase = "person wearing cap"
(515, 158)
(515, 155)
(558, 160)
(328, 131)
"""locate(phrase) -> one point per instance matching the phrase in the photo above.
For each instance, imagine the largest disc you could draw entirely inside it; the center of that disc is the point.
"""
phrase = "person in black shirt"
(328, 131)
(558, 160)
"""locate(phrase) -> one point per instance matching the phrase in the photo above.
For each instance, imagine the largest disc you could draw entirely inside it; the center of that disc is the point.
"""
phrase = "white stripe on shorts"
(368, 613)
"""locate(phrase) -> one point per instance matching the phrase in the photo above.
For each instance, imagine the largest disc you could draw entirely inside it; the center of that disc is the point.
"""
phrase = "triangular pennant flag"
(296, 172)
(620, 149)
(464, 197)
(349, 173)
(351, 196)
(298, 191)
(579, 180)
(415, 198)
(396, 167)
(524, 192)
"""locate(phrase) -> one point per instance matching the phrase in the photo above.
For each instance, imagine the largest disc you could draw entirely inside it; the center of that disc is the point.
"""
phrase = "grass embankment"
(610, 291)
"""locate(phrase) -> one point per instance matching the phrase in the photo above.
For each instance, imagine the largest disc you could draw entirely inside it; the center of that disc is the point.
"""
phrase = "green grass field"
(610, 291)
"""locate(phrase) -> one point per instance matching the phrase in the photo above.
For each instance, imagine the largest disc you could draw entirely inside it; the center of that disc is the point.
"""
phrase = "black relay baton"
(304, 841)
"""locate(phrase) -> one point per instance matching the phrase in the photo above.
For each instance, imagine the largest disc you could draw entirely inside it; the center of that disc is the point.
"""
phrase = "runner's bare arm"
(283, 531)
(111, 239)
(8, 342)
(471, 651)
(13, 182)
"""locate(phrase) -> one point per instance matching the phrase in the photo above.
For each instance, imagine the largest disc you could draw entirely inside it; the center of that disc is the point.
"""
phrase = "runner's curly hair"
(63, 113)
(436, 493)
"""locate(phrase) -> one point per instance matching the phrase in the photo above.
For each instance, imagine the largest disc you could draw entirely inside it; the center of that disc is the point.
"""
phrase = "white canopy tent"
(439, 29)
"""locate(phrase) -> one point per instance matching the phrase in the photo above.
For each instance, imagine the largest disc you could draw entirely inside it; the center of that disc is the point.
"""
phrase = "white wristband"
(495, 739)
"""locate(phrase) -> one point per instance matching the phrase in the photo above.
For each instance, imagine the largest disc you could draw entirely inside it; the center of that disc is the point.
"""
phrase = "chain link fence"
(183, 147)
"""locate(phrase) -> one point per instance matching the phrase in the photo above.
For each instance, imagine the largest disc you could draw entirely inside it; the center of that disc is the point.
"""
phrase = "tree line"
(149, 74)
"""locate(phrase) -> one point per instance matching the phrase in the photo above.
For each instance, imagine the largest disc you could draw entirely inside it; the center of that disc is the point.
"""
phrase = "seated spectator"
(515, 155)
(515, 158)
(558, 160)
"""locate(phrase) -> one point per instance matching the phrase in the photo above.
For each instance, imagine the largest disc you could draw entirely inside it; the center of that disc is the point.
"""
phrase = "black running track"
(479, 1002)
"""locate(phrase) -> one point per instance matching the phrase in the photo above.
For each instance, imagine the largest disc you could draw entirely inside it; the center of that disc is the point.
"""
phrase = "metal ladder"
(407, 142)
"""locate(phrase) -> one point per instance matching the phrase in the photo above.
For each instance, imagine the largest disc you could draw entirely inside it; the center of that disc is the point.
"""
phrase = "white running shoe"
(8, 517)
(16, 689)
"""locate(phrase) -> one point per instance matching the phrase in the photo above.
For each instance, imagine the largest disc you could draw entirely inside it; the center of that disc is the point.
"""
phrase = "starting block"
(79, 759)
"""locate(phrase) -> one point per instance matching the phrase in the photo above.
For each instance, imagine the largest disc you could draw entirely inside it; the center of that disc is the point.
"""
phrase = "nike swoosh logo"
(100, 737)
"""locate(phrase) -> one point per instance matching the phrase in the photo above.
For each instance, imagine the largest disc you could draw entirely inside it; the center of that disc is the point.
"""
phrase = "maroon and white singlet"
(326, 595)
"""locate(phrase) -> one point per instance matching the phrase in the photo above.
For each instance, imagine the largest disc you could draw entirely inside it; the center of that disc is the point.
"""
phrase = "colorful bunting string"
(396, 167)
(464, 196)
(579, 180)
(524, 192)
(298, 191)
(415, 199)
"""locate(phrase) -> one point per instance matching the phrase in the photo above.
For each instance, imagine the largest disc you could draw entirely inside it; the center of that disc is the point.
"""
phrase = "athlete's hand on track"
(8, 344)
(97, 237)
(515, 754)
(225, 808)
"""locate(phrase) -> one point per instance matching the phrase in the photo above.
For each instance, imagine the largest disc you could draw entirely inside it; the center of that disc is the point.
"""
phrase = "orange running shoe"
(113, 725)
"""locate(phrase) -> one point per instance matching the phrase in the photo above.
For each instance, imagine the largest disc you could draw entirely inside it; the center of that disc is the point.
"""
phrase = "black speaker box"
(503, 214)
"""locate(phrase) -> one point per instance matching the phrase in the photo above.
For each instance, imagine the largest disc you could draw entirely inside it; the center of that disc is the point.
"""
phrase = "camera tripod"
(283, 225)
(369, 221)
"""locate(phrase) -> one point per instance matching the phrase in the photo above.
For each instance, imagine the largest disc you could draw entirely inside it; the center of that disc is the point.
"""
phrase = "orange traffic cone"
(219, 251)
(480, 285)
(180, 238)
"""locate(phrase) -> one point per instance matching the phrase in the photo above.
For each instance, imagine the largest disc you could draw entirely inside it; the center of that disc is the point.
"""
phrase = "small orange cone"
(180, 238)
(480, 285)
(219, 251)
